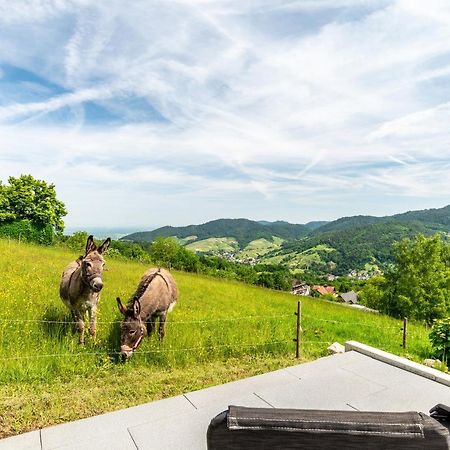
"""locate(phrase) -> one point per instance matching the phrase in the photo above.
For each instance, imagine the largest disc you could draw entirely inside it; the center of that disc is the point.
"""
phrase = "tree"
(440, 338)
(5, 214)
(372, 294)
(418, 286)
(164, 251)
(26, 198)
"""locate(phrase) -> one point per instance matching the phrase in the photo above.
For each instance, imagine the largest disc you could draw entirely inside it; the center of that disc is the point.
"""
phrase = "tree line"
(168, 252)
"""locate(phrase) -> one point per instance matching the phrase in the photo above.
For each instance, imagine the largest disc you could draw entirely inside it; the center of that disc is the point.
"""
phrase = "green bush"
(440, 338)
(25, 230)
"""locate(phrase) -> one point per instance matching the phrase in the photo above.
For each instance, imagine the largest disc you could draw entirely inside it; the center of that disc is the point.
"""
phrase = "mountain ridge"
(338, 246)
(243, 230)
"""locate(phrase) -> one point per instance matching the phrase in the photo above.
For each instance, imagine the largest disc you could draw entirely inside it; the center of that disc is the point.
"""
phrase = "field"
(260, 247)
(222, 244)
(298, 261)
(219, 331)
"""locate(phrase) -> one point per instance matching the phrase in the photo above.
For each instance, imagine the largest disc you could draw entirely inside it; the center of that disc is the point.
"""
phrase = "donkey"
(155, 296)
(81, 283)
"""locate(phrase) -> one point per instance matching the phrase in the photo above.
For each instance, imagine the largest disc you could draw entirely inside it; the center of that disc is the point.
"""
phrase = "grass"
(298, 261)
(47, 378)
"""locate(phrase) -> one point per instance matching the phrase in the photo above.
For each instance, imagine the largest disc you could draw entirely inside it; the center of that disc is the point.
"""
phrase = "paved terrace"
(363, 378)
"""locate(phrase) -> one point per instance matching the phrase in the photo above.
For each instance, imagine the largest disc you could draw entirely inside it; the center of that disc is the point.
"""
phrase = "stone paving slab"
(190, 428)
(25, 441)
(322, 390)
(109, 439)
(326, 363)
(419, 395)
(229, 392)
(70, 433)
(398, 361)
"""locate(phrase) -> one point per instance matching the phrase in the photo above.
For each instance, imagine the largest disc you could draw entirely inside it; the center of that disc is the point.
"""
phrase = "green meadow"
(219, 331)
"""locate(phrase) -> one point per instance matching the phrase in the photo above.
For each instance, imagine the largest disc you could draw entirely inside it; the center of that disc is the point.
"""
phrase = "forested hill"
(438, 219)
(243, 230)
(353, 248)
(435, 217)
(359, 240)
(339, 246)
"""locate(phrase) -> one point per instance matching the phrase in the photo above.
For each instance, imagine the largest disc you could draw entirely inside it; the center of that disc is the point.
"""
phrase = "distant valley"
(338, 247)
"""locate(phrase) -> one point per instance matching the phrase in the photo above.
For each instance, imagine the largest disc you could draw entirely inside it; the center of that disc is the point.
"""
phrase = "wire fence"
(144, 352)
(168, 322)
(305, 329)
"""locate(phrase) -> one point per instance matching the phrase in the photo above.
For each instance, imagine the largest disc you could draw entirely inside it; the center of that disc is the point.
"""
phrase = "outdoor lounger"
(271, 428)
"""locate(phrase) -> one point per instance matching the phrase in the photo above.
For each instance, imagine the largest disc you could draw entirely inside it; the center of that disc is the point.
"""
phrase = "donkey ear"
(90, 244)
(104, 246)
(136, 308)
(122, 308)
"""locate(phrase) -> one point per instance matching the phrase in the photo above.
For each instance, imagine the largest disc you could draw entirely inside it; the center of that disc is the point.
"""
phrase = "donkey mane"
(143, 285)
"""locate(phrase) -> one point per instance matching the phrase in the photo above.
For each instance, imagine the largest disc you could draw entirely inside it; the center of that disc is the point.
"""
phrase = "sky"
(149, 113)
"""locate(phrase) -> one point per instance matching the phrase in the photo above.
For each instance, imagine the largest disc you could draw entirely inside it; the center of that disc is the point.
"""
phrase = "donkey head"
(92, 264)
(132, 328)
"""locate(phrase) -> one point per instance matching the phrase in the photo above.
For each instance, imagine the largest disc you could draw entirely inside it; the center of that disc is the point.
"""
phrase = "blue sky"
(148, 113)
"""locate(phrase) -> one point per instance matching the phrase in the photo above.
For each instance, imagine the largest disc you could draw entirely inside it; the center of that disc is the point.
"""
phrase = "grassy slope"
(220, 244)
(37, 390)
(260, 247)
(257, 247)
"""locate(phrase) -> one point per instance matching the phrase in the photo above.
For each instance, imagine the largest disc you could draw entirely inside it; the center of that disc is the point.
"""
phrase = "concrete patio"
(363, 378)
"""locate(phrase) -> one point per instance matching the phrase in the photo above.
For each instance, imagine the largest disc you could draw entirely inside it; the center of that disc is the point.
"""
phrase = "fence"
(298, 338)
(299, 334)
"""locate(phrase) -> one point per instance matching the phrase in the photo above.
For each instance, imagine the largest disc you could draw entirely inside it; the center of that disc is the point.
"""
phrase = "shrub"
(440, 338)
(25, 230)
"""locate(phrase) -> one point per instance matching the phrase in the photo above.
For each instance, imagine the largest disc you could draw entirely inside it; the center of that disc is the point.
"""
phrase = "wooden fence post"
(405, 332)
(298, 335)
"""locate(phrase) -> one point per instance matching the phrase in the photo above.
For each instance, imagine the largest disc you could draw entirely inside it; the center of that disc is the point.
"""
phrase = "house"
(299, 288)
(323, 290)
(350, 297)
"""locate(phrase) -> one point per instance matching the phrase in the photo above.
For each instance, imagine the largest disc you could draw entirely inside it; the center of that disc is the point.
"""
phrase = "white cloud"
(336, 110)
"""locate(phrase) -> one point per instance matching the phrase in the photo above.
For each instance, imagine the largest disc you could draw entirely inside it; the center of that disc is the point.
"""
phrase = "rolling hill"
(438, 219)
(243, 230)
(352, 248)
(339, 246)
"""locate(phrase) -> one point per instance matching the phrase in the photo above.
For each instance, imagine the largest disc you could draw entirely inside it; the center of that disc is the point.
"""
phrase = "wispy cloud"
(261, 103)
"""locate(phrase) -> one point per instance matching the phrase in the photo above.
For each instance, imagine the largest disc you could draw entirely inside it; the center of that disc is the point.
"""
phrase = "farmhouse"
(323, 290)
(350, 297)
(299, 288)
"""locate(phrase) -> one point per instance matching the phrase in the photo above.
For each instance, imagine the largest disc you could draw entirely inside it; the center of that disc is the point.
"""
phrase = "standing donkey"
(81, 283)
(155, 296)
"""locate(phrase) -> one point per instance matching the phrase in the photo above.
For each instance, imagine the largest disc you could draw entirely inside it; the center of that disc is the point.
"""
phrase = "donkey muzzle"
(97, 284)
(126, 352)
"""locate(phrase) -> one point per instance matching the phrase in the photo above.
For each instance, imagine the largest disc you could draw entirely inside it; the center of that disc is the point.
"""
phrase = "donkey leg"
(150, 322)
(162, 326)
(79, 320)
(93, 322)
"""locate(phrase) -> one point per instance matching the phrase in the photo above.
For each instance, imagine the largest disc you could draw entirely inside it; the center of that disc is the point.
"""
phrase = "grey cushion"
(269, 428)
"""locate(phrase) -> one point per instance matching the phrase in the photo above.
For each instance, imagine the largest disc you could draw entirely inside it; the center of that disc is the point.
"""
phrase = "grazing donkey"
(155, 296)
(81, 283)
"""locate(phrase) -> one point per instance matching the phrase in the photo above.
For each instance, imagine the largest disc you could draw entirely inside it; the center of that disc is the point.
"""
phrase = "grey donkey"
(81, 283)
(155, 296)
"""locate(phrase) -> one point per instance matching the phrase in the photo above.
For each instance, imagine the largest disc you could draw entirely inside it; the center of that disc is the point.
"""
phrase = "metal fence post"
(298, 335)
